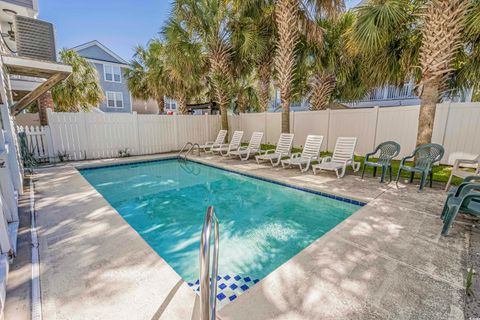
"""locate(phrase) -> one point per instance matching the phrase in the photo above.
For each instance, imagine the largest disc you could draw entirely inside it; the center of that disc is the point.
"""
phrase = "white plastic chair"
(458, 172)
(234, 144)
(283, 148)
(343, 155)
(310, 152)
(207, 147)
(253, 147)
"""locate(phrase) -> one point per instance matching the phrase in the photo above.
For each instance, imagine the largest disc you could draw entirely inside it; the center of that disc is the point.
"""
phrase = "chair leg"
(449, 219)
(363, 170)
(374, 172)
(384, 172)
(412, 175)
(398, 177)
(431, 178)
(390, 171)
(423, 180)
(449, 182)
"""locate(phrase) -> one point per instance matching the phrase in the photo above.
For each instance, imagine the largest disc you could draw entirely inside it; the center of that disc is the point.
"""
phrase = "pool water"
(262, 224)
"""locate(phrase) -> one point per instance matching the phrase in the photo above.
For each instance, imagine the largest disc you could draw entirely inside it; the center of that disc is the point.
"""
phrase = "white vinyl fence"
(457, 127)
(93, 135)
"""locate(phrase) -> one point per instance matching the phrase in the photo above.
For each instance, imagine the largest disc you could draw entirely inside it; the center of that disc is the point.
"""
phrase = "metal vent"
(35, 38)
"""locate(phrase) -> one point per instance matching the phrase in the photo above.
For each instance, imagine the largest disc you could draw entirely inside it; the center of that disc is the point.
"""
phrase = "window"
(170, 104)
(114, 99)
(112, 73)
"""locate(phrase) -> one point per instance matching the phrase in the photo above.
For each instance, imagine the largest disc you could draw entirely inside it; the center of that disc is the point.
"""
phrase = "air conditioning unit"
(35, 39)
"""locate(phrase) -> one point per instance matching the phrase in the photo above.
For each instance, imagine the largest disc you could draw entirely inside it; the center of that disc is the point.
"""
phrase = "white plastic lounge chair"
(310, 152)
(234, 144)
(458, 172)
(253, 147)
(342, 157)
(283, 150)
(207, 147)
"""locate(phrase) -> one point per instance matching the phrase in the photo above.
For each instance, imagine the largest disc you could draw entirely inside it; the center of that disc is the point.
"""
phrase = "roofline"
(107, 62)
(103, 47)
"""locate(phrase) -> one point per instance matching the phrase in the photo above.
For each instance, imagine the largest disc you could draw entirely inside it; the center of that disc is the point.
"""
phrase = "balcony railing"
(391, 93)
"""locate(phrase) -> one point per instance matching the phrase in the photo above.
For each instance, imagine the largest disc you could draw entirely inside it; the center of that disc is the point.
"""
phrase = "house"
(110, 67)
(28, 69)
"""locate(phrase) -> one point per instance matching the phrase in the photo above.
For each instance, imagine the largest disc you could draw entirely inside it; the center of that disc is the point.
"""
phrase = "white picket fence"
(93, 135)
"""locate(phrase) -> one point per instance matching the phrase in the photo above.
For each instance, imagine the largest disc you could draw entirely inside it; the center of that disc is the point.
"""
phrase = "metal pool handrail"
(208, 289)
(192, 147)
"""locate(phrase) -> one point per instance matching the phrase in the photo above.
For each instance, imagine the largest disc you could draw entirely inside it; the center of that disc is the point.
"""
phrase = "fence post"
(207, 127)
(266, 127)
(175, 129)
(84, 135)
(49, 141)
(377, 110)
(136, 133)
(328, 129)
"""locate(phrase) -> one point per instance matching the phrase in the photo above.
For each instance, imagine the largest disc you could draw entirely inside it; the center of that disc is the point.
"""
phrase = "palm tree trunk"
(263, 87)
(287, 25)
(223, 104)
(182, 104)
(241, 103)
(428, 105)
(322, 89)
(161, 104)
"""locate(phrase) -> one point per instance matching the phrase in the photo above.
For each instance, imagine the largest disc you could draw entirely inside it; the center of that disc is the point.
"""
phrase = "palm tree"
(416, 39)
(183, 64)
(254, 39)
(146, 76)
(290, 15)
(207, 21)
(81, 90)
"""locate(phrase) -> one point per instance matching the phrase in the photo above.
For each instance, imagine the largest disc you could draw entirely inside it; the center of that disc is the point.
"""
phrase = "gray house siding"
(97, 53)
(114, 87)
(23, 3)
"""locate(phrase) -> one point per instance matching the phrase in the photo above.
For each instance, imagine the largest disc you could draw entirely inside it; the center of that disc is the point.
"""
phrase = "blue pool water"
(262, 224)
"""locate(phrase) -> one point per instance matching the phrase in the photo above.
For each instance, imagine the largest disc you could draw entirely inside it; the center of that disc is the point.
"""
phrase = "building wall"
(114, 87)
(24, 3)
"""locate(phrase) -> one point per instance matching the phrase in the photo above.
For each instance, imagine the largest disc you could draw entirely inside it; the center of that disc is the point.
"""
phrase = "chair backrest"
(236, 139)
(344, 149)
(388, 151)
(255, 141)
(221, 136)
(284, 144)
(312, 146)
(427, 154)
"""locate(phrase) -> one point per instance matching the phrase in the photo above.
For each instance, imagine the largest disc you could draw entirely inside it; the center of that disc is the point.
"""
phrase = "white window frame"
(116, 95)
(112, 66)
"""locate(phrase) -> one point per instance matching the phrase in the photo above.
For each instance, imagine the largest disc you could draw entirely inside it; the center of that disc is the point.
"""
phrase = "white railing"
(391, 93)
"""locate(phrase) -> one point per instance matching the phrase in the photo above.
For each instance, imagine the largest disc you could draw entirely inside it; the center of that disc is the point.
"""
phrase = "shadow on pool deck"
(387, 260)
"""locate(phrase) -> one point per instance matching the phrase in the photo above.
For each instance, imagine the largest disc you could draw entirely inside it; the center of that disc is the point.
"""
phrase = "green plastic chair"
(388, 151)
(27, 155)
(466, 198)
(424, 157)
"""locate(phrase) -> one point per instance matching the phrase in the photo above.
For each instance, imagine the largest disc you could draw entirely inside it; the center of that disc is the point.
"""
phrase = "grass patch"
(441, 173)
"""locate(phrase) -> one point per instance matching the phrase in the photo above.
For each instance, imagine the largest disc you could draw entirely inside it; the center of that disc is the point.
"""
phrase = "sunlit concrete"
(387, 260)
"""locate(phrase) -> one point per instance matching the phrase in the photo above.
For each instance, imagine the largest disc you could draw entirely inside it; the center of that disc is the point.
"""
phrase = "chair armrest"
(458, 163)
(269, 151)
(326, 159)
(402, 163)
(368, 155)
(296, 155)
(466, 187)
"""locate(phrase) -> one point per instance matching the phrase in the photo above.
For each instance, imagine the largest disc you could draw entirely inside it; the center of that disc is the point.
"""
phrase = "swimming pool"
(262, 224)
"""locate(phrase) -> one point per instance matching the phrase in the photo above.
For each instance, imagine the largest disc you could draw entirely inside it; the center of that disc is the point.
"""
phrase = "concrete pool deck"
(387, 260)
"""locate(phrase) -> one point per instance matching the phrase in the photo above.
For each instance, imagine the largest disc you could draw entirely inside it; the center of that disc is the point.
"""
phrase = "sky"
(118, 24)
